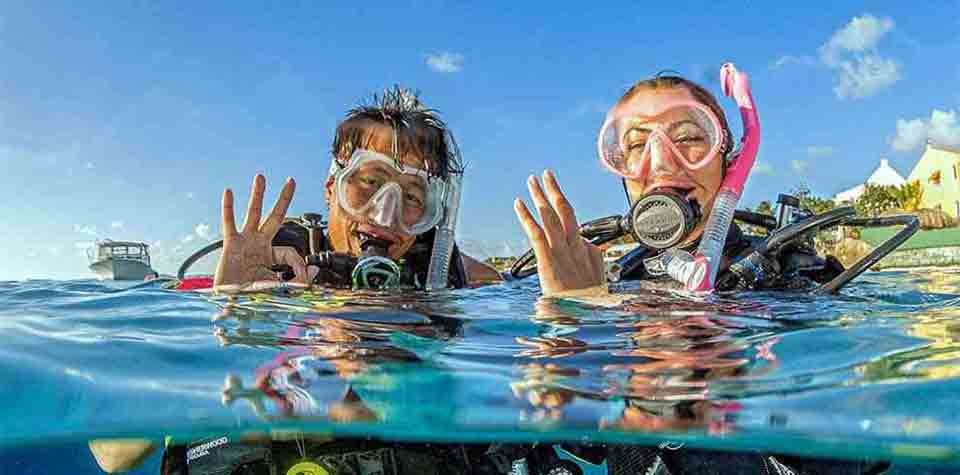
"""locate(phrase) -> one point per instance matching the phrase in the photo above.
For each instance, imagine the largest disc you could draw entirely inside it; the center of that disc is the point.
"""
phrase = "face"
(344, 230)
(670, 166)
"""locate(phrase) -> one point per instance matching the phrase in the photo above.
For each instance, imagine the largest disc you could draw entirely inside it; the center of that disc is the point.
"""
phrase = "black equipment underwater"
(769, 262)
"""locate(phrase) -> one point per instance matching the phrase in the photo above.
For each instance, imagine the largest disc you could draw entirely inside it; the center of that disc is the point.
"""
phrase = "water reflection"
(324, 356)
(657, 369)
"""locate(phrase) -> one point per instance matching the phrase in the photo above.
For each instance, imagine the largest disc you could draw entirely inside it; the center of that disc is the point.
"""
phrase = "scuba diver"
(393, 194)
(669, 142)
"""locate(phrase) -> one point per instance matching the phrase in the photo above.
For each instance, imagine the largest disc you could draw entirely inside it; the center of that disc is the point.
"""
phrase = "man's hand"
(565, 260)
(248, 255)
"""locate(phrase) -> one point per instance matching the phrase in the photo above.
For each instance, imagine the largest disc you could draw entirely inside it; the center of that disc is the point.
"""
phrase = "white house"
(884, 175)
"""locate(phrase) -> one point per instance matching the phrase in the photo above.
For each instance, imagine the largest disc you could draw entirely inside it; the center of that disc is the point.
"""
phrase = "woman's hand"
(248, 255)
(565, 260)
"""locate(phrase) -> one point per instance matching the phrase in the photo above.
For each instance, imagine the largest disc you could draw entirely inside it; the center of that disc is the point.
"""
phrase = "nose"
(662, 157)
(386, 206)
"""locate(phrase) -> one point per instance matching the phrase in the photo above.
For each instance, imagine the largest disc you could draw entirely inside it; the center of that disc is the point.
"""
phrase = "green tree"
(909, 196)
(764, 208)
(876, 199)
(812, 202)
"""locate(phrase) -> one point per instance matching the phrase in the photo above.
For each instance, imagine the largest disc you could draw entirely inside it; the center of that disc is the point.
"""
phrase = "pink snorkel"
(698, 272)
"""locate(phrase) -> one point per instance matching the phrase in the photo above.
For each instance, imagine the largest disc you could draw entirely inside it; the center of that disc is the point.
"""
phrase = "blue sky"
(127, 119)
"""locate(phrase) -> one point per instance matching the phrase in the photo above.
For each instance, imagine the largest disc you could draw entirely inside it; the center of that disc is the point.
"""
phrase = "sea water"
(873, 372)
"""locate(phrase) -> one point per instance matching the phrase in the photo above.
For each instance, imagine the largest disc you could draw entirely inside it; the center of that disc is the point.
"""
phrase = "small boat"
(120, 260)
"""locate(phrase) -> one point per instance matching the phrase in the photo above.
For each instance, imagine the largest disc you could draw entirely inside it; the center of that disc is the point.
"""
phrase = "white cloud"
(911, 135)
(187, 239)
(85, 229)
(861, 34)
(787, 60)
(445, 62)
(190, 195)
(116, 224)
(814, 151)
(762, 168)
(89, 165)
(942, 128)
(865, 76)
(203, 231)
(798, 166)
(84, 245)
(861, 71)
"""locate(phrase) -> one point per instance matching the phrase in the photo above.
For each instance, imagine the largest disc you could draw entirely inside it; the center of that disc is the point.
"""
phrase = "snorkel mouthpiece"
(374, 270)
(698, 272)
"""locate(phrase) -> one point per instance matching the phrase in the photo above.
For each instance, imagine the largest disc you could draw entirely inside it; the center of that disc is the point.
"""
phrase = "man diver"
(392, 197)
(392, 181)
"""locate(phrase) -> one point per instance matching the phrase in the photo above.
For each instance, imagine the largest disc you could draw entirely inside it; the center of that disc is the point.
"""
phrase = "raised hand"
(565, 260)
(248, 255)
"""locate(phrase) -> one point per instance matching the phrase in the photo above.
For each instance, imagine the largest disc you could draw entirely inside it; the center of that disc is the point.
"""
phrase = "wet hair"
(671, 79)
(417, 130)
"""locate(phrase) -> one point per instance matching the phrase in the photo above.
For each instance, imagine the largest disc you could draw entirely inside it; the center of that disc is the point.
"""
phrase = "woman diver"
(669, 142)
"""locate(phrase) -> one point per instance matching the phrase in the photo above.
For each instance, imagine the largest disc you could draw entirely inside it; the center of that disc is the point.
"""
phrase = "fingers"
(279, 211)
(537, 239)
(596, 260)
(227, 224)
(255, 206)
(568, 219)
(551, 222)
(290, 256)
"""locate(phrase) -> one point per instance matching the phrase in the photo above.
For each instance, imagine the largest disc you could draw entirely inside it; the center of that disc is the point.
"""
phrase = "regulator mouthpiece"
(374, 270)
(663, 219)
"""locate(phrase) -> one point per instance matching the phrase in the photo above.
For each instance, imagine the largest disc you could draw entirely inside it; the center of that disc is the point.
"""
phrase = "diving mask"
(631, 140)
(377, 189)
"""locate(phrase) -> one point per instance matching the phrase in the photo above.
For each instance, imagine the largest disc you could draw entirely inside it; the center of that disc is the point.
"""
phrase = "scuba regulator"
(660, 220)
(372, 270)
